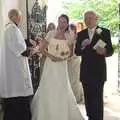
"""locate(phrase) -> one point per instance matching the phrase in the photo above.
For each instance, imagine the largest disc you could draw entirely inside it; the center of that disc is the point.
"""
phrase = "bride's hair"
(67, 18)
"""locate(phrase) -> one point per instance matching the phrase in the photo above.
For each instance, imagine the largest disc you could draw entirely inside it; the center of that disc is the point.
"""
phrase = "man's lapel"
(86, 33)
(95, 38)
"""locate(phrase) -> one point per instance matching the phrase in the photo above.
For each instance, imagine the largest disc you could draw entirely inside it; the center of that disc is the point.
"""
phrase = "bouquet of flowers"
(59, 48)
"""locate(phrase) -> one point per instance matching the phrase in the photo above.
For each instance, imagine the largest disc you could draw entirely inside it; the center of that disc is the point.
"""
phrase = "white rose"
(99, 30)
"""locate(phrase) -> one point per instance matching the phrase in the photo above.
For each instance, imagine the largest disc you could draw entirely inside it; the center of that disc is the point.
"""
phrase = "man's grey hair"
(13, 13)
(90, 11)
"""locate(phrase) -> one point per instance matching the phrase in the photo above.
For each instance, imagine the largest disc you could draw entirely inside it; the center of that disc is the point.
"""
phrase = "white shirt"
(15, 78)
(91, 33)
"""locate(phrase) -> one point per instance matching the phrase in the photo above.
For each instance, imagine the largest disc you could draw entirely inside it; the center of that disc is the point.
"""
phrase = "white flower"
(99, 30)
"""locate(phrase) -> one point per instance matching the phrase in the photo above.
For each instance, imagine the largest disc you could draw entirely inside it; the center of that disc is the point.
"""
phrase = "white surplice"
(15, 78)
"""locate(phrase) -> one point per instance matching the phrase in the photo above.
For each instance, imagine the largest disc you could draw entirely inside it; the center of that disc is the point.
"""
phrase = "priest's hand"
(34, 50)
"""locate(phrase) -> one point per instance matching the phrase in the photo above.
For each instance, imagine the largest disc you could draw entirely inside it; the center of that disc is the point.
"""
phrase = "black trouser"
(93, 94)
(17, 108)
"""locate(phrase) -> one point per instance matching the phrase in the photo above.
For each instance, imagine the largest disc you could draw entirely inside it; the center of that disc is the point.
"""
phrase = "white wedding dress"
(54, 99)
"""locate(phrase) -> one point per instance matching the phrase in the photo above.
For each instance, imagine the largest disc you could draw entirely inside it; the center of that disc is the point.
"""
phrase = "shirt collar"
(11, 22)
(92, 29)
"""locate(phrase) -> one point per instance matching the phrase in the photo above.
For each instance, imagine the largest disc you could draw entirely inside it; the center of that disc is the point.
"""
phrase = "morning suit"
(93, 70)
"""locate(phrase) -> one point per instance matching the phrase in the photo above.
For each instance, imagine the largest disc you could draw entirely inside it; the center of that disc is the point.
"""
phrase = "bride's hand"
(53, 58)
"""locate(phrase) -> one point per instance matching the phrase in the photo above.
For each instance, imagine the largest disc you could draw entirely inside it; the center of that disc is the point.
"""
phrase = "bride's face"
(62, 23)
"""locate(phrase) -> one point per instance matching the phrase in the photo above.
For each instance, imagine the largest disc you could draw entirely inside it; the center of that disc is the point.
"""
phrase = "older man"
(15, 79)
(93, 45)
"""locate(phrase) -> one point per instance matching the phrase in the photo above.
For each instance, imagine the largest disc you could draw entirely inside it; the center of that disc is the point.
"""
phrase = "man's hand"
(85, 43)
(100, 50)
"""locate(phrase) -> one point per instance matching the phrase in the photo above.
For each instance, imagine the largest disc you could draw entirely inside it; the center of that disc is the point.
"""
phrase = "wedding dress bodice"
(59, 48)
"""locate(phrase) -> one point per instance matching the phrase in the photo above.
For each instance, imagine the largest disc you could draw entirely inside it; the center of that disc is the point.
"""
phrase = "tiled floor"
(111, 108)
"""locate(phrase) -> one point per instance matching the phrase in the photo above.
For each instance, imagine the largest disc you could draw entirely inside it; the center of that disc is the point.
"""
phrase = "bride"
(54, 99)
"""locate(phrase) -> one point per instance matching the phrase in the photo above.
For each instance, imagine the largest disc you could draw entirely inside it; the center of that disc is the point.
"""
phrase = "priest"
(15, 78)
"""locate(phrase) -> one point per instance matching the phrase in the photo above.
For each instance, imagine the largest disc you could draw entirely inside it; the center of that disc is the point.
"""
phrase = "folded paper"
(100, 43)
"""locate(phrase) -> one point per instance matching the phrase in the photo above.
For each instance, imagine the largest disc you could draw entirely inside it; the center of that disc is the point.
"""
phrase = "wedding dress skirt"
(54, 99)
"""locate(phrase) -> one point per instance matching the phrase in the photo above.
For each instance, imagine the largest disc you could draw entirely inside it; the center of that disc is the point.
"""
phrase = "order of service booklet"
(100, 43)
